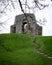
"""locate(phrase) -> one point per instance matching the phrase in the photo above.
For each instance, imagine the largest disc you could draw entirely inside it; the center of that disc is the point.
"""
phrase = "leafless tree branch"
(5, 3)
(39, 5)
(24, 12)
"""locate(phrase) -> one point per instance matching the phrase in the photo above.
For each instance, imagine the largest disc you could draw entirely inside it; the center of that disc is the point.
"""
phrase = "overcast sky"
(47, 27)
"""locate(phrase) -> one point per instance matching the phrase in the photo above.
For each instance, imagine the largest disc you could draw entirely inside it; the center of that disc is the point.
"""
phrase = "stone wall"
(31, 26)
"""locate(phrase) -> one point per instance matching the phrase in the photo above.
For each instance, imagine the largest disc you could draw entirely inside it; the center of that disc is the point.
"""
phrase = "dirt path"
(39, 51)
(42, 53)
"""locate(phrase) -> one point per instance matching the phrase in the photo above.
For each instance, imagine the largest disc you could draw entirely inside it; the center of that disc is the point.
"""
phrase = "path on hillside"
(39, 50)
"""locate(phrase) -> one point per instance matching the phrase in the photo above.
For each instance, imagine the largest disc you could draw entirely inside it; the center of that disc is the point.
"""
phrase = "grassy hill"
(22, 49)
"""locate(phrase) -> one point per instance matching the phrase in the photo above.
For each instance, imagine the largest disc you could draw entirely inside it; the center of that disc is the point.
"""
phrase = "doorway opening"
(24, 25)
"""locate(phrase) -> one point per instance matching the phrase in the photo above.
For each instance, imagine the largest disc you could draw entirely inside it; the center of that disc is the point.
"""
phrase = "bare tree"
(8, 5)
(37, 4)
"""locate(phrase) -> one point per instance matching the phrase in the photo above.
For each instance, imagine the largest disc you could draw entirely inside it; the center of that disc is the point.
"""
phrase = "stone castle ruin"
(21, 25)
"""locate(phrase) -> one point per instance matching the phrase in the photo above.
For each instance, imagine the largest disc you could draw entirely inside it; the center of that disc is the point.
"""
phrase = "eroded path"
(38, 49)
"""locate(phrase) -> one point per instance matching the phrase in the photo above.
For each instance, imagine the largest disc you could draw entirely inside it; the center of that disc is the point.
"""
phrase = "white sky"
(47, 13)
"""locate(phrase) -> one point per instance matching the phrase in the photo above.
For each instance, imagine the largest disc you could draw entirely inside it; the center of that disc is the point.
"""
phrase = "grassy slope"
(46, 44)
(18, 49)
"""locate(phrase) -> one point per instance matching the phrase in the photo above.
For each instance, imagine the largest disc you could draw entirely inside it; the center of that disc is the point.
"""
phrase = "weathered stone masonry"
(21, 25)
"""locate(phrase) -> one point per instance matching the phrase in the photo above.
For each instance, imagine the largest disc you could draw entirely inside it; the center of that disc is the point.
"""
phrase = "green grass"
(19, 49)
(46, 44)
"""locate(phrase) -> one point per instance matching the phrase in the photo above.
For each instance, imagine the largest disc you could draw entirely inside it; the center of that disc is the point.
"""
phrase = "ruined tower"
(21, 25)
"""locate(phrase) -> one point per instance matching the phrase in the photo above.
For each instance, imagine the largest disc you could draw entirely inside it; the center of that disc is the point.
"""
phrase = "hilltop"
(24, 49)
